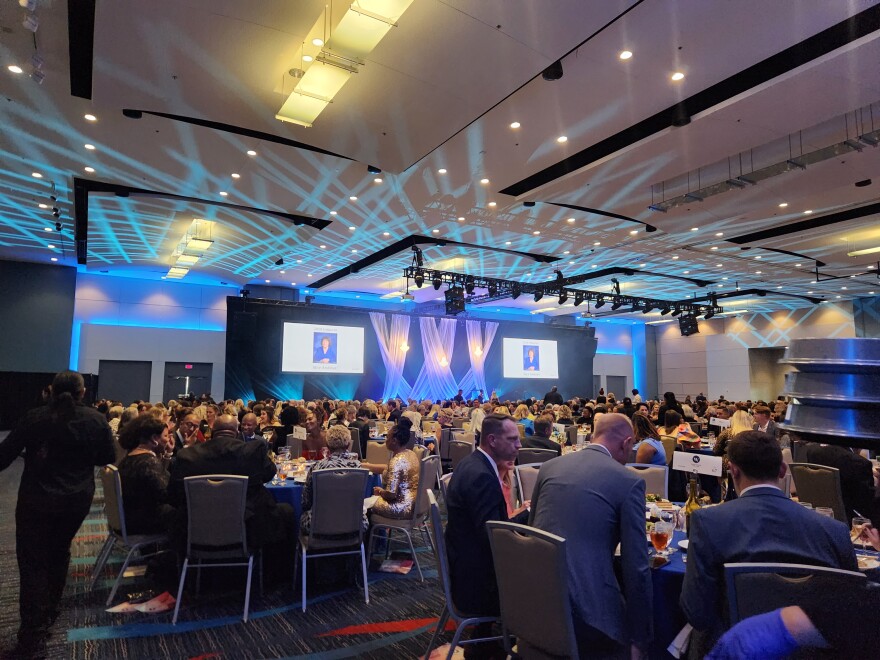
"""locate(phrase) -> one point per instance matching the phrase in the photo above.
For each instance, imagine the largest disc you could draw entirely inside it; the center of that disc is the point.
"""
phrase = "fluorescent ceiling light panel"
(348, 40)
(859, 253)
(176, 273)
(198, 244)
(187, 259)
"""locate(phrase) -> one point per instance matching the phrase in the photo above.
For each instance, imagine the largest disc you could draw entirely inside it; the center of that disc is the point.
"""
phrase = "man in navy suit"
(761, 525)
(594, 502)
(475, 497)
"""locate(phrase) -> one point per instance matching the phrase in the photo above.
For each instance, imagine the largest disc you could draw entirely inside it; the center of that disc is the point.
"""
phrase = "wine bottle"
(692, 504)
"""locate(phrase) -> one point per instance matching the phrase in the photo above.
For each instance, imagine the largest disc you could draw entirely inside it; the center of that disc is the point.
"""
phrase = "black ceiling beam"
(812, 48)
(788, 252)
(414, 241)
(132, 113)
(82, 188)
(608, 214)
(814, 222)
(629, 272)
(744, 293)
(81, 46)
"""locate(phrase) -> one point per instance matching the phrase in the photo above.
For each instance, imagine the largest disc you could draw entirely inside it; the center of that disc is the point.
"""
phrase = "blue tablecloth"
(667, 583)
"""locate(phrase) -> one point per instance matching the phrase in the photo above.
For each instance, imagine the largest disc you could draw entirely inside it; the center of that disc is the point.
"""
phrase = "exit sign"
(187, 366)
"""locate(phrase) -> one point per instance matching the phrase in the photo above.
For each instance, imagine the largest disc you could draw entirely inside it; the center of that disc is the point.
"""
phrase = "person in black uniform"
(63, 441)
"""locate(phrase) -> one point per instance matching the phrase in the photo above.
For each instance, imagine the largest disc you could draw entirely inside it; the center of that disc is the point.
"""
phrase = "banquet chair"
(787, 458)
(466, 426)
(445, 436)
(449, 609)
(655, 476)
(429, 426)
(526, 478)
(467, 436)
(535, 607)
(820, 486)
(216, 535)
(118, 533)
(356, 441)
(377, 453)
(530, 456)
(459, 450)
(458, 422)
(521, 429)
(418, 520)
(420, 451)
(669, 445)
(337, 515)
(444, 484)
(756, 588)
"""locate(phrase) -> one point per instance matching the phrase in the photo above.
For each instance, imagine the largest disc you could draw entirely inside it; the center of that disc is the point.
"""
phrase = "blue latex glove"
(761, 637)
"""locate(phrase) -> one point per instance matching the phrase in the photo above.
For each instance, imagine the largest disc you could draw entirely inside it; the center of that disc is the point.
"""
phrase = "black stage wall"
(253, 355)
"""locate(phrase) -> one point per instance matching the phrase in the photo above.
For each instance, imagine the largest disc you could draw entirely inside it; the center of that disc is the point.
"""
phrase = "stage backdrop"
(349, 353)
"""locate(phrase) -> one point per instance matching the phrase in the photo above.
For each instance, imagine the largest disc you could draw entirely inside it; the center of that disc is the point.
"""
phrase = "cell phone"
(658, 562)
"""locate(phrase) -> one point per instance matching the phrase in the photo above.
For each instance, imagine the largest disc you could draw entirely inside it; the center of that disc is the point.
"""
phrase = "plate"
(683, 544)
(867, 562)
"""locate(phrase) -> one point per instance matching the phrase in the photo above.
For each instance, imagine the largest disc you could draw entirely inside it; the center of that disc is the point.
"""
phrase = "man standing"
(594, 502)
(761, 525)
(636, 397)
(553, 396)
(475, 497)
(541, 438)
(458, 398)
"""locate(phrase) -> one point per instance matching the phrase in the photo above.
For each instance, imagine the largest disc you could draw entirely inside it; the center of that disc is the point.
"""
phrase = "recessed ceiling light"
(720, 286)
(89, 169)
(47, 229)
(634, 232)
(720, 233)
(442, 170)
(354, 251)
(783, 205)
(514, 124)
(714, 247)
(757, 272)
(724, 278)
(235, 175)
(14, 68)
(779, 287)
(843, 288)
(536, 232)
(678, 75)
(43, 206)
(493, 204)
(695, 229)
(435, 231)
(852, 277)
(36, 175)
(808, 211)
(758, 257)
(56, 259)
(50, 246)
(332, 212)
(719, 265)
(293, 284)
(299, 261)
(642, 265)
(809, 292)
(90, 117)
(485, 182)
(353, 198)
(675, 256)
(461, 218)
(570, 220)
(377, 180)
(386, 233)
(507, 242)
(566, 252)
(223, 193)
(837, 296)
(593, 266)
(282, 271)
(686, 272)
(570, 263)
(267, 281)
(307, 58)
(329, 265)
(90, 147)
(352, 228)
(625, 54)
(317, 42)
(323, 247)
(251, 152)
(561, 139)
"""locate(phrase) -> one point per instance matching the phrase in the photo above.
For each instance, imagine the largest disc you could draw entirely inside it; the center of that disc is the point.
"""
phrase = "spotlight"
(680, 116)
(539, 294)
(132, 114)
(563, 297)
(58, 226)
(578, 298)
(280, 261)
(600, 301)
(372, 169)
(647, 308)
(709, 313)
(55, 211)
(666, 309)
(469, 285)
(419, 279)
(515, 292)
(31, 22)
(529, 205)
(676, 311)
(437, 281)
(493, 289)
(553, 72)
(617, 304)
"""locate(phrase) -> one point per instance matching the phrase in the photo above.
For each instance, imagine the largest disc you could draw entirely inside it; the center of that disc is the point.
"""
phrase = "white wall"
(118, 318)
(614, 354)
(716, 361)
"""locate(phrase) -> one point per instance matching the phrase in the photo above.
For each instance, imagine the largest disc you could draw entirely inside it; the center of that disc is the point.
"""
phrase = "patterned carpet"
(338, 624)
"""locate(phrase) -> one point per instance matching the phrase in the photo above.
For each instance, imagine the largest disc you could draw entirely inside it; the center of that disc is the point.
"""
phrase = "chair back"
(521, 429)
(420, 451)
(458, 422)
(697, 427)
(338, 504)
(356, 441)
(215, 505)
(377, 453)
(466, 426)
(296, 446)
(466, 437)
(382, 427)
(571, 434)
(535, 607)
(445, 437)
(526, 478)
(440, 550)
(428, 468)
(787, 458)
(459, 450)
(669, 444)
(656, 477)
(529, 456)
(444, 483)
(429, 426)
(113, 506)
(434, 473)
(754, 588)
(820, 486)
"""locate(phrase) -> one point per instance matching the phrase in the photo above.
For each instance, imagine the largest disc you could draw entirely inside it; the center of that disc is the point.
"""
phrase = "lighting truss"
(499, 289)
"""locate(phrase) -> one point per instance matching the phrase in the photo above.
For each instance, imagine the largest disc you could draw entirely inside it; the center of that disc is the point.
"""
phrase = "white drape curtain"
(479, 343)
(435, 380)
(392, 342)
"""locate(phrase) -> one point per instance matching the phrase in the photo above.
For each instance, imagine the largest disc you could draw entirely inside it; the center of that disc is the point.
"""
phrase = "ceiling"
(440, 92)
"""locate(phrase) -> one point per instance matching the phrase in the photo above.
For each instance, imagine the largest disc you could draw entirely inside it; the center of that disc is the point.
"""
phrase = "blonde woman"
(502, 410)
(740, 421)
(522, 416)
(563, 416)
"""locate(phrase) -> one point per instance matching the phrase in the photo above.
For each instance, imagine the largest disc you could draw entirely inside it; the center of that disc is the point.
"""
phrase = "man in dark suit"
(266, 521)
(541, 438)
(761, 525)
(474, 497)
(856, 477)
(594, 502)
(553, 396)
(764, 420)
(362, 424)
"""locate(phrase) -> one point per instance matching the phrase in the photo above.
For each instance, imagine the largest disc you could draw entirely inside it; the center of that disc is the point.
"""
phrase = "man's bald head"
(614, 432)
(225, 423)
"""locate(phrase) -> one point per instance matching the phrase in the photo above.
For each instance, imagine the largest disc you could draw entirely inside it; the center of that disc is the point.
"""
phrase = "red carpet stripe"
(405, 625)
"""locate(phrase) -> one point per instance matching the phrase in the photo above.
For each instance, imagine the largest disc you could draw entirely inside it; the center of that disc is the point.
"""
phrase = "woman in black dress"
(144, 477)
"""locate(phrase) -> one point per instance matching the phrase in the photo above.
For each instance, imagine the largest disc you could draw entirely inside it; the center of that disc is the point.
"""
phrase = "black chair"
(529, 456)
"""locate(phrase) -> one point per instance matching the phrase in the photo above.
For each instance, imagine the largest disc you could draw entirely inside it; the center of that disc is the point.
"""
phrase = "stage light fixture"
(539, 294)
(600, 302)
(372, 169)
(676, 311)
(244, 293)
(515, 292)
(647, 308)
(56, 212)
(553, 72)
(617, 304)
(578, 298)
(563, 297)
(493, 289)
(469, 284)
(437, 281)
(280, 261)
(58, 226)
(666, 309)
(419, 279)
(709, 313)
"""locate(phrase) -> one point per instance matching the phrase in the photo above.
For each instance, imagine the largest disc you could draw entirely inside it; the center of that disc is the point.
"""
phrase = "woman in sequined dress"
(400, 481)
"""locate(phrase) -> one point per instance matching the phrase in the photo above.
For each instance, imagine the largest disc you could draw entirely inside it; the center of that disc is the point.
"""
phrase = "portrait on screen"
(324, 348)
(531, 358)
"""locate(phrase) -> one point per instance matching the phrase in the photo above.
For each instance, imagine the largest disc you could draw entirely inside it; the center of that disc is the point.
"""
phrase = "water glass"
(858, 527)
(806, 505)
(661, 535)
(826, 511)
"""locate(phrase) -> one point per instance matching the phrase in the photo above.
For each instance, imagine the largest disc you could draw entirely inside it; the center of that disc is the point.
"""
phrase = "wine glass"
(858, 527)
(661, 534)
